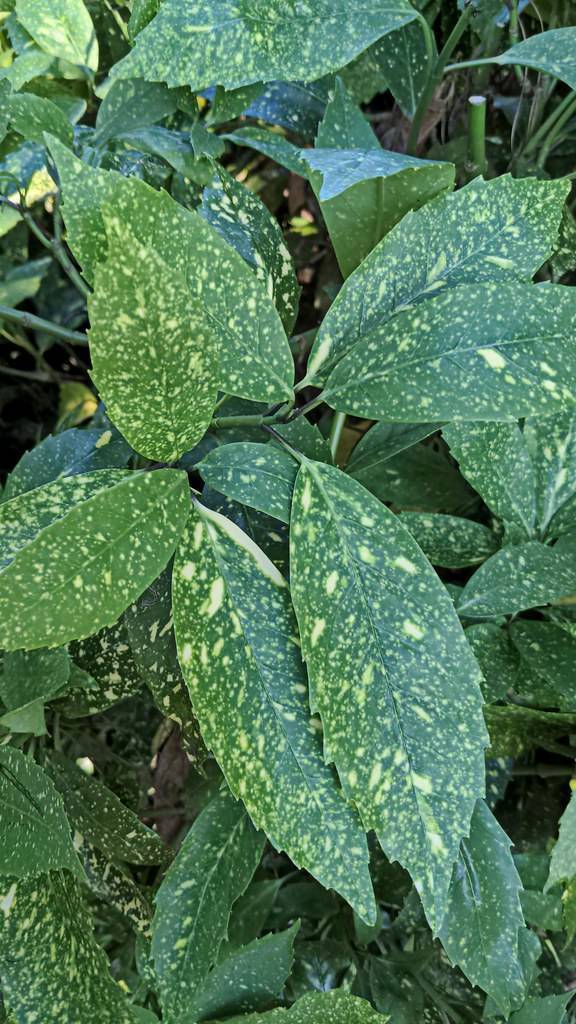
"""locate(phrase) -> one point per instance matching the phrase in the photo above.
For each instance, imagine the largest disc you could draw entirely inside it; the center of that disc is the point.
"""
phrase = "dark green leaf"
(549, 651)
(551, 52)
(261, 476)
(516, 578)
(131, 104)
(514, 730)
(67, 454)
(552, 446)
(548, 1010)
(406, 63)
(563, 859)
(389, 666)
(484, 915)
(319, 1008)
(451, 541)
(29, 679)
(200, 45)
(273, 145)
(491, 230)
(238, 648)
(105, 663)
(214, 865)
(497, 658)
(75, 574)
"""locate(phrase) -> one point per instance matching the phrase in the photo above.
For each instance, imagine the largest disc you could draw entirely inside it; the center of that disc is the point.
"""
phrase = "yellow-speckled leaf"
(200, 43)
(154, 354)
(254, 355)
(53, 970)
(501, 229)
(62, 28)
(391, 674)
(494, 351)
(239, 650)
(77, 572)
(519, 577)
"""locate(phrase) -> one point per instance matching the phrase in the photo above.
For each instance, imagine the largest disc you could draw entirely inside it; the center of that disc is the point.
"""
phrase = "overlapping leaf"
(451, 541)
(69, 453)
(501, 229)
(389, 667)
(79, 557)
(238, 648)
(261, 476)
(335, 1007)
(551, 52)
(201, 44)
(62, 28)
(519, 577)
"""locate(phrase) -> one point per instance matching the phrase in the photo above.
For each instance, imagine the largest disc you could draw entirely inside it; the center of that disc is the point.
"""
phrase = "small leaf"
(335, 1007)
(484, 915)
(389, 666)
(77, 573)
(547, 1010)
(515, 730)
(249, 978)
(450, 541)
(343, 168)
(238, 648)
(261, 476)
(548, 650)
(223, 44)
(32, 115)
(272, 145)
(30, 679)
(502, 229)
(516, 578)
(550, 52)
(497, 657)
(115, 886)
(512, 359)
(494, 458)
(130, 104)
(552, 446)
(212, 869)
(62, 28)
(106, 660)
(35, 831)
(53, 970)
(101, 818)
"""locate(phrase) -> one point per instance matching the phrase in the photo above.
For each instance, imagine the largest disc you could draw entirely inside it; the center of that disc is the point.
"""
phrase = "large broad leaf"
(255, 358)
(548, 652)
(238, 647)
(550, 52)
(67, 454)
(199, 43)
(484, 915)
(98, 815)
(154, 354)
(495, 460)
(563, 859)
(261, 476)
(62, 28)
(53, 970)
(32, 115)
(249, 978)
(335, 1007)
(547, 1010)
(214, 865)
(341, 169)
(391, 674)
(501, 229)
(552, 446)
(451, 541)
(477, 352)
(519, 577)
(35, 831)
(76, 572)
(405, 61)
(243, 221)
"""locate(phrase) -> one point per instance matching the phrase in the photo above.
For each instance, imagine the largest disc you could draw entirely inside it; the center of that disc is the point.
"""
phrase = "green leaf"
(336, 1007)
(23, 281)
(514, 730)
(406, 63)
(225, 43)
(53, 970)
(552, 446)
(76, 572)
(70, 453)
(484, 915)
(389, 668)
(451, 541)
(28, 680)
(365, 192)
(154, 358)
(516, 578)
(115, 886)
(212, 869)
(273, 145)
(35, 831)
(261, 476)
(106, 660)
(438, 362)
(384, 441)
(101, 818)
(497, 658)
(26, 67)
(62, 28)
(150, 632)
(563, 859)
(249, 978)
(242, 219)
(238, 648)
(494, 458)
(548, 1010)
(130, 104)
(251, 912)
(31, 116)
(142, 13)
(550, 52)
(502, 229)
(549, 651)
(237, 307)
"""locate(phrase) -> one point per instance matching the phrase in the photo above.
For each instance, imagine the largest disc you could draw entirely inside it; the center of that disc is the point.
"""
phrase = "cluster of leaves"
(288, 554)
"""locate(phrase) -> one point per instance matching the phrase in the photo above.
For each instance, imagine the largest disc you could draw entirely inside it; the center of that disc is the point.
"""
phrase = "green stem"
(336, 428)
(35, 323)
(436, 74)
(545, 128)
(276, 414)
(312, 404)
(42, 378)
(54, 245)
(477, 134)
